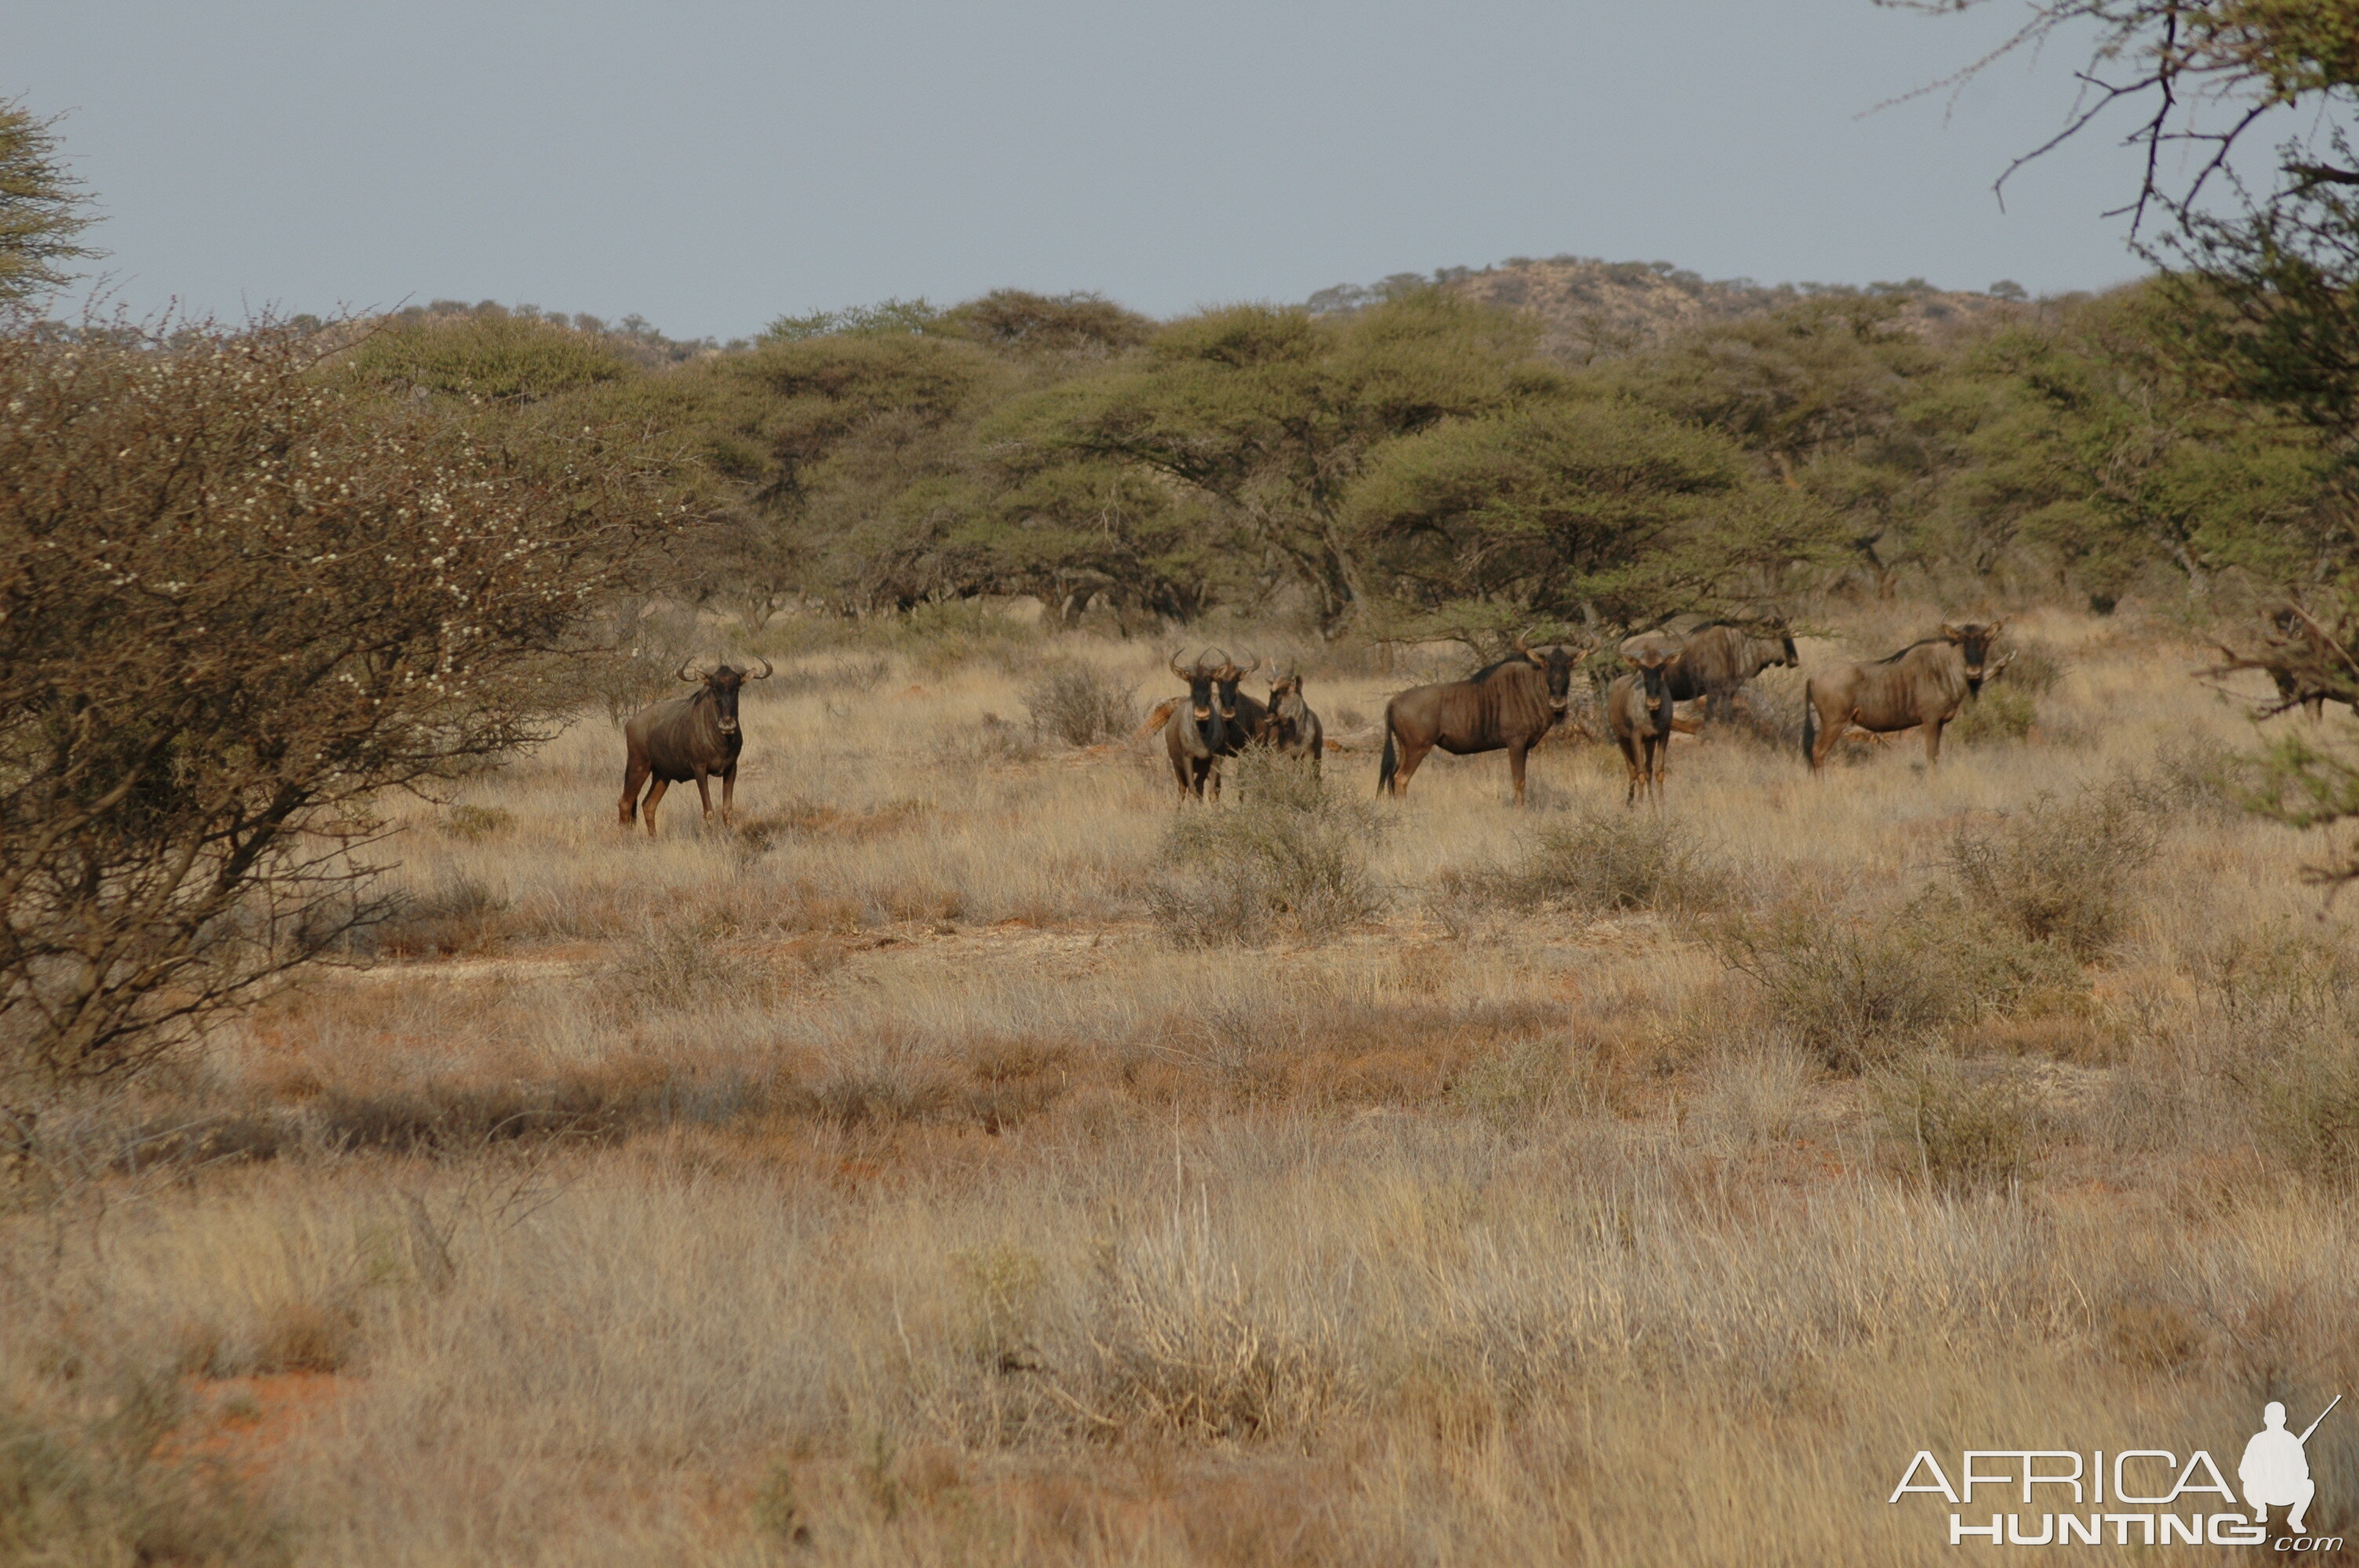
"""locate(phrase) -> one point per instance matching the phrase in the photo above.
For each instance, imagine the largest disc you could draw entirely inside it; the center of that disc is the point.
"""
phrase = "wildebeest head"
(1555, 662)
(1653, 662)
(1283, 684)
(1974, 640)
(1789, 658)
(722, 684)
(1198, 679)
(1224, 680)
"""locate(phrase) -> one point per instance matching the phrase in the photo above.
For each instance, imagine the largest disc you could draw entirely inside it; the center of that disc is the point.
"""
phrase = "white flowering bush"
(240, 600)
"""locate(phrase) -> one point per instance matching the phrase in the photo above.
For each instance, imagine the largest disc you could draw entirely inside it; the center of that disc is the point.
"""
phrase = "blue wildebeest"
(1243, 720)
(1510, 704)
(1194, 735)
(1294, 728)
(1638, 712)
(687, 738)
(1715, 662)
(1924, 684)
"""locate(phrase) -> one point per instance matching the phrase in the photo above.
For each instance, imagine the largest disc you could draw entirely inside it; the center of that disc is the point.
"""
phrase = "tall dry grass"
(881, 1182)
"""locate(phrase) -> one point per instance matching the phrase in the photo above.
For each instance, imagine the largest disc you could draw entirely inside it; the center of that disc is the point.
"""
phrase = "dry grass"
(878, 1183)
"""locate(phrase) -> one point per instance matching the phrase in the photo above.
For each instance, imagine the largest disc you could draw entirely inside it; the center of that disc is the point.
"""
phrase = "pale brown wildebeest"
(687, 738)
(1924, 684)
(1715, 662)
(1193, 732)
(1638, 712)
(1294, 728)
(1510, 704)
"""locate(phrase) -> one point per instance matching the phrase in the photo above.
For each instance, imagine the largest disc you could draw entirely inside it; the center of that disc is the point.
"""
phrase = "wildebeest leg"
(1831, 727)
(1629, 745)
(1933, 742)
(1212, 777)
(653, 795)
(635, 779)
(704, 794)
(1516, 755)
(1411, 754)
(1180, 768)
(1658, 751)
(728, 791)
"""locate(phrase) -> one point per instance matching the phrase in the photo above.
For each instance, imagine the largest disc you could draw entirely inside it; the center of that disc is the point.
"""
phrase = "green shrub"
(1080, 704)
(1605, 863)
(498, 356)
(1860, 990)
(1287, 854)
(2002, 715)
(2059, 870)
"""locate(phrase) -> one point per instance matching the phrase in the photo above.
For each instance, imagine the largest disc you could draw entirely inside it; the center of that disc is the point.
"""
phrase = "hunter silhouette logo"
(2275, 1471)
(2131, 1497)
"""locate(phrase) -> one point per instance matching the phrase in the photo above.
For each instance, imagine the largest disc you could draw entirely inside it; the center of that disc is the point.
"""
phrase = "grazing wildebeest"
(1638, 712)
(1715, 662)
(1924, 684)
(1194, 734)
(1294, 728)
(687, 738)
(1510, 704)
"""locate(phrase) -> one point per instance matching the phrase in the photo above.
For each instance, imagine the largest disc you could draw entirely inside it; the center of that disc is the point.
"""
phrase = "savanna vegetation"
(967, 1158)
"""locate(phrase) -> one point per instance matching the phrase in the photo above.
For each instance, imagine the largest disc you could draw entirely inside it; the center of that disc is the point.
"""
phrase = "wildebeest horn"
(1177, 670)
(766, 672)
(681, 673)
(1250, 668)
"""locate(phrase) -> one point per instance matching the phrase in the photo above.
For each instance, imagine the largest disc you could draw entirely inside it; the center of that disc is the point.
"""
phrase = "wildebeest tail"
(1386, 769)
(1809, 721)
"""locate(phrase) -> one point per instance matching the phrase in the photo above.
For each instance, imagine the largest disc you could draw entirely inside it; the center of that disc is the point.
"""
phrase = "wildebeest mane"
(1487, 671)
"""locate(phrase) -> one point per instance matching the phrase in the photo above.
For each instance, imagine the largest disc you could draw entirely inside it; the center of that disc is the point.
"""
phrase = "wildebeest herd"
(1510, 705)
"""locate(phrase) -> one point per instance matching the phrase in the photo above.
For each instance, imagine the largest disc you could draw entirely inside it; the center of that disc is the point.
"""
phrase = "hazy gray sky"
(711, 164)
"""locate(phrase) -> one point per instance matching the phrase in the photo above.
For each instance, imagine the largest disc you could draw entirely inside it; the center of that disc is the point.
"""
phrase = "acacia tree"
(1273, 414)
(2266, 280)
(239, 601)
(42, 208)
(1583, 511)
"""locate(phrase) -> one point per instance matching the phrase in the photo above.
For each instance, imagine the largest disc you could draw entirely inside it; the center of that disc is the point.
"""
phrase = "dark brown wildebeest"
(1294, 728)
(687, 738)
(1193, 733)
(1715, 662)
(1924, 684)
(1243, 720)
(1510, 704)
(1638, 712)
